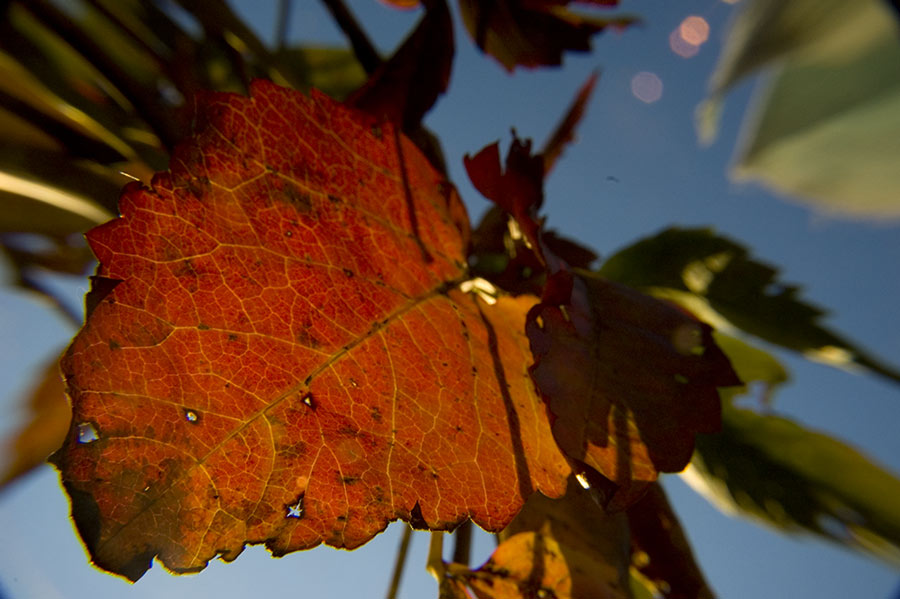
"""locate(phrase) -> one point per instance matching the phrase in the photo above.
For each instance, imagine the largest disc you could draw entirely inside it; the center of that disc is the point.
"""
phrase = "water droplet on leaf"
(191, 416)
(582, 480)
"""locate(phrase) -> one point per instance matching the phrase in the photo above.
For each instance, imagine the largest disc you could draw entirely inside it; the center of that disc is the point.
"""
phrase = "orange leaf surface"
(660, 550)
(288, 359)
(566, 548)
(629, 379)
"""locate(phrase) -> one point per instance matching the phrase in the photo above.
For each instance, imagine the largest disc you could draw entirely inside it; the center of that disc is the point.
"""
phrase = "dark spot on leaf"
(348, 273)
(307, 339)
(416, 519)
(203, 327)
(342, 518)
(334, 199)
(114, 345)
(376, 414)
(349, 480)
(298, 199)
(198, 186)
(376, 131)
(186, 269)
(232, 337)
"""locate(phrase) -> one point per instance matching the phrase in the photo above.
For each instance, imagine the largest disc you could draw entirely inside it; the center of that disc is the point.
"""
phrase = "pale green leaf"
(825, 128)
(777, 472)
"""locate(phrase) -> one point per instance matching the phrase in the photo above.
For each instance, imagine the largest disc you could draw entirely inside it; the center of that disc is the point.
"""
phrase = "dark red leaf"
(533, 33)
(564, 133)
(629, 379)
(407, 85)
(660, 550)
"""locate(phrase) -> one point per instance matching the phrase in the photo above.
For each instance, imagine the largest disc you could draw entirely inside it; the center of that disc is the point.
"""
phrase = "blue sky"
(635, 169)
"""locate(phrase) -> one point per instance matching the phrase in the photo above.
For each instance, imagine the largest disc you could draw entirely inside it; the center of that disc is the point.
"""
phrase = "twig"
(463, 543)
(281, 27)
(365, 52)
(400, 563)
(435, 564)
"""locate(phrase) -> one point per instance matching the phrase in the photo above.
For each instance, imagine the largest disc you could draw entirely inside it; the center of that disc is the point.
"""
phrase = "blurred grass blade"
(67, 203)
(219, 21)
(48, 111)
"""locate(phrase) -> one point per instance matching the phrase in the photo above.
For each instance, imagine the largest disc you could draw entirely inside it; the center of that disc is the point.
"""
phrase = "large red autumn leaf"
(287, 358)
(629, 380)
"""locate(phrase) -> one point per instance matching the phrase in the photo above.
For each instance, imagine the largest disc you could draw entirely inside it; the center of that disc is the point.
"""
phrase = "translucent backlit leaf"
(628, 378)
(566, 548)
(288, 358)
(536, 33)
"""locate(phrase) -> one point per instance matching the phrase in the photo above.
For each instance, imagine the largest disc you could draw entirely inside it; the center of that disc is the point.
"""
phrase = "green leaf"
(772, 469)
(826, 128)
(332, 70)
(721, 283)
(751, 365)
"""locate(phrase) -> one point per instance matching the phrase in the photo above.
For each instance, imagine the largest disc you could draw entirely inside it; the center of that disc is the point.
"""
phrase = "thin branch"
(435, 564)
(463, 543)
(281, 27)
(400, 563)
(365, 52)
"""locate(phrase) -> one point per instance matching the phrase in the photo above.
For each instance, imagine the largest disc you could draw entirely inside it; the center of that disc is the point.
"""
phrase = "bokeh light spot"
(685, 41)
(680, 47)
(646, 87)
(694, 30)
